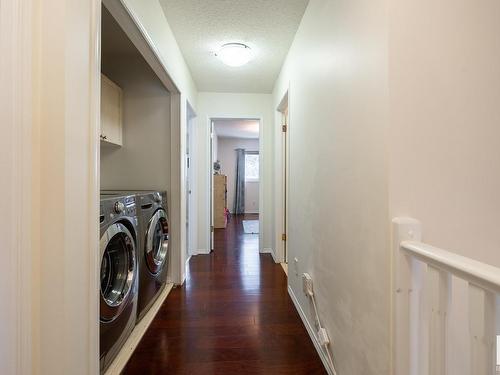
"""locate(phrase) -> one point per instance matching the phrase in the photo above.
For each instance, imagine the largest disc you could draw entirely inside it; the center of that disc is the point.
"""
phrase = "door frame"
(282, 203)
(189, 177)
(262, 159)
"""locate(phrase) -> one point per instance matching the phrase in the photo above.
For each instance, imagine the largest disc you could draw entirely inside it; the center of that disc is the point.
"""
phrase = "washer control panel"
(115, 206)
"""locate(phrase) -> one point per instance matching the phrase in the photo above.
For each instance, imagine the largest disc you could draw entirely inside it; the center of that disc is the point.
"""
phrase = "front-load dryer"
(153, 229)
(152, 214)
(118, 274)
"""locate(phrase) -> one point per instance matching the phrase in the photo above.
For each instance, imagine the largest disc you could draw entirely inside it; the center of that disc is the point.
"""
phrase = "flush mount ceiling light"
(235, 54)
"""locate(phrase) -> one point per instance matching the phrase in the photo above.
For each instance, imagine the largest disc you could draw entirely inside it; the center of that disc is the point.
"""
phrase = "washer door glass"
(157, 242)
(118, 268)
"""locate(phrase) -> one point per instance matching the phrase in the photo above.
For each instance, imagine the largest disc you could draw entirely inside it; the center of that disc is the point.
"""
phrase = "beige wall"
(338, 218)
(19, 222)
(64, 204)
(445, 114)
(227, 156)
(143, 162)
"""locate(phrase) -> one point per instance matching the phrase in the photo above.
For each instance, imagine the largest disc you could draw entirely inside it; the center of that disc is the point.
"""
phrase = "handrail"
(473, 271)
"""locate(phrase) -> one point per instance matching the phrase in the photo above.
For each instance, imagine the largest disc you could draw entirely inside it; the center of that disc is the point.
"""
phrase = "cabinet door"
(111, 112)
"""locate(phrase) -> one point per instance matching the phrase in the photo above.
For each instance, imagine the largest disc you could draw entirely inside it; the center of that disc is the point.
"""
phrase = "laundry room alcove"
(142, 162)
(135, 186)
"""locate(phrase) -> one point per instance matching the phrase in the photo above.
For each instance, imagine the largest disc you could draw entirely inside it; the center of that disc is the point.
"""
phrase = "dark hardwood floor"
(233, 315)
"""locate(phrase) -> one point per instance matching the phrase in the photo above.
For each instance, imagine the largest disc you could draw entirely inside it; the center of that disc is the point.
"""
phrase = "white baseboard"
(201, 252)
(135, 337)
(268, 250)
(310, 330)
(274, 256)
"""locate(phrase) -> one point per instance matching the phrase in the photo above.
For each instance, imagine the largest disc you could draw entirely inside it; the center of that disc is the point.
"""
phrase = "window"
(251, 166)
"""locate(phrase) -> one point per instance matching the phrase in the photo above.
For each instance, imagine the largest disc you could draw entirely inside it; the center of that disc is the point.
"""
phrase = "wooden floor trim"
(135, 337)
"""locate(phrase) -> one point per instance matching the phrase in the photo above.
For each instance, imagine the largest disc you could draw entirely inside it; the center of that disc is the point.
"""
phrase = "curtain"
(239, 191)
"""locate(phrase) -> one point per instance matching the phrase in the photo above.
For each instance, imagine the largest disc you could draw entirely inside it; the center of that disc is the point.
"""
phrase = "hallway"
(233, 315)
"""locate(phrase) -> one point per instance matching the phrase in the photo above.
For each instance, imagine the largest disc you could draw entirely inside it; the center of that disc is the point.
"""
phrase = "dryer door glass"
(157, 242)
(117, 269)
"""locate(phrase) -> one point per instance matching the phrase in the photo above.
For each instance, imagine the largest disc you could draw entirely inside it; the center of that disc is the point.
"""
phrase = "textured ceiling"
(202, 26)
(236, 128)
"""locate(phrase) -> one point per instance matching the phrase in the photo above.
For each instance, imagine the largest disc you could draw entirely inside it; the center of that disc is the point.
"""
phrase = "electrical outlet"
(296, 265)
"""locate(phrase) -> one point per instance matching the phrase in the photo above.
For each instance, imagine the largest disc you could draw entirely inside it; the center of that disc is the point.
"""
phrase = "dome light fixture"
(235, 54)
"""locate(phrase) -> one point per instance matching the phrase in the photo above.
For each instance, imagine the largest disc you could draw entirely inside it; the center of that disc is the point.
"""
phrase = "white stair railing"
(445, 316)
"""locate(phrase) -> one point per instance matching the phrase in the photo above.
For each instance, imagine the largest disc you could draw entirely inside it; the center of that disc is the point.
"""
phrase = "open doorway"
(236, 177)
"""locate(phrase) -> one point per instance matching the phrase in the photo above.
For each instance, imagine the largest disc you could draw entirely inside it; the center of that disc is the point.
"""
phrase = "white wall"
(19, 224)
(235, 105)
(393, 112)
(445, 115)
(336, 72)
(227, 156)
(60, 144)
(143, 162)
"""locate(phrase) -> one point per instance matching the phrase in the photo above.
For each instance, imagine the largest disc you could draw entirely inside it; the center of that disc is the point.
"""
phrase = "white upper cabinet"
(111, 112)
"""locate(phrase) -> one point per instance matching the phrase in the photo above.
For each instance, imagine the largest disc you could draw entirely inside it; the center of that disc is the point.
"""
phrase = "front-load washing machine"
(153, 253)
(118, 274)
(152, 215)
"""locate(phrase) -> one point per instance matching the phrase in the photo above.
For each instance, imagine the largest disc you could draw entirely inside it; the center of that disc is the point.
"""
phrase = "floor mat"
(251, 226)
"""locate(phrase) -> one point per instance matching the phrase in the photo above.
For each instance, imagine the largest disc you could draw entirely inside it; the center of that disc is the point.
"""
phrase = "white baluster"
(424, 323)
(482, 331)
(458, 347)
(417, 302)
(438, 282)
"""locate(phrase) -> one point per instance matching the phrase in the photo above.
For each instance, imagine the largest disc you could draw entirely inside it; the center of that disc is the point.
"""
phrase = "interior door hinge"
(211, 228)
(284, 128)
(283, 237)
